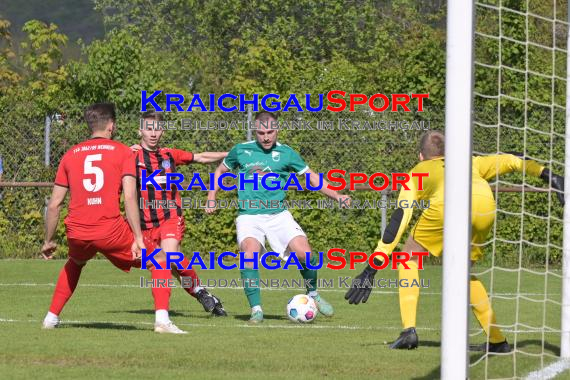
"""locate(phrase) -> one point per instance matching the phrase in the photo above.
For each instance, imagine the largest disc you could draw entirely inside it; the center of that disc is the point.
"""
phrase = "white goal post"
(460, 63)
(565, 317)
(457, 209)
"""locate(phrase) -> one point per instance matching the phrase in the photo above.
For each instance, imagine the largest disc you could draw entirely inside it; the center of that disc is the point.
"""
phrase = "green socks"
(309, 274)
(251, 286)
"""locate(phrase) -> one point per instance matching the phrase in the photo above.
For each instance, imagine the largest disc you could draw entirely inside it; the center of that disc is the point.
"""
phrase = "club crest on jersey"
(166, 164)
(276, 156)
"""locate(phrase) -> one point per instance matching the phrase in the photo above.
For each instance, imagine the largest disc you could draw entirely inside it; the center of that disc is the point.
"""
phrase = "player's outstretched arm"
(52, 219)
(491, 166)
(209, 157)
(132, 211)
(344, 200)
(212, 194)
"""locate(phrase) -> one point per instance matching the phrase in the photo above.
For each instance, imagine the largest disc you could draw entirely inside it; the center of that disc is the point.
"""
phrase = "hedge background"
(187, 46)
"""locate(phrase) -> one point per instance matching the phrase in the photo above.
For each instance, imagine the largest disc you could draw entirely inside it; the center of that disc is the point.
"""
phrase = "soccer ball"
(302, 308)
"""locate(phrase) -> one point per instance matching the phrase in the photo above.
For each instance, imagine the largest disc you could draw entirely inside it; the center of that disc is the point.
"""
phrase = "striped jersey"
(165, 160)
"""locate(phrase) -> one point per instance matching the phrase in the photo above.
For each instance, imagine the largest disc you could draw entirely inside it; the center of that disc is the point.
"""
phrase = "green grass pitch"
(107, 330)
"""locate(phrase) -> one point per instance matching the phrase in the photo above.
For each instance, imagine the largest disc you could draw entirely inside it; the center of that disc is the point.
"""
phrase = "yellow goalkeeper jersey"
(483, 169)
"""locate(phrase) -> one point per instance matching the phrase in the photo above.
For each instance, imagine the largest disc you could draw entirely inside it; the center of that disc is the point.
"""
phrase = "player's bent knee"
(160, 256)
(414, 259)
(250, 245)
(413, 246)
(300, 245)
(170, 245)
(78, 262)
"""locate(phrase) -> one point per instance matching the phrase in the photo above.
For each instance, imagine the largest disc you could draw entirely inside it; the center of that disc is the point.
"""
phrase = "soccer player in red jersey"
(95, 171)
(164, 227)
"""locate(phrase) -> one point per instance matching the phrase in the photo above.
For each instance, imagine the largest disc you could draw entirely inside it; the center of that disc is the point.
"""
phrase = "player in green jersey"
(256, 221)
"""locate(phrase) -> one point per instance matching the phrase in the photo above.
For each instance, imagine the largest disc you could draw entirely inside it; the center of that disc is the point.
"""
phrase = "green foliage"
(517, 109)
(117, 69)
(22, 222)
(39, 87)
(8, 76)
(42, 57)
(189, 46)
(283, 47)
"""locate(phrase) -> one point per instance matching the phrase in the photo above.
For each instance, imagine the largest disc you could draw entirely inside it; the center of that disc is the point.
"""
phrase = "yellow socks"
(483, 312)
(409, 295)
(478, 297)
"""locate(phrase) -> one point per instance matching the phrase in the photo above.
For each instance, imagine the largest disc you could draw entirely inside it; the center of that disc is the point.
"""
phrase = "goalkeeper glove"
(361, 286)
(556, 182)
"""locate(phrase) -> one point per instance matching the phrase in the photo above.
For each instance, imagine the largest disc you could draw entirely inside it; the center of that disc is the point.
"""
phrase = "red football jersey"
(93, 171)
(165, 160)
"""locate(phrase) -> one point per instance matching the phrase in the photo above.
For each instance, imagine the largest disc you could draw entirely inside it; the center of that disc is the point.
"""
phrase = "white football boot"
(50, 322)
(168, 328)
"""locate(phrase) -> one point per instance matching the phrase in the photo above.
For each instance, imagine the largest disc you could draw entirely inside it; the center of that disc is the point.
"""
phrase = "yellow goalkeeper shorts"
(428, 231)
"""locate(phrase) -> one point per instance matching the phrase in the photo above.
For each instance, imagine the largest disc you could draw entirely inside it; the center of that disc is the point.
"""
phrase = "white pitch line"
(24, 284)
(291, 326)
(29, 284)
(550, 371)
(265, 325)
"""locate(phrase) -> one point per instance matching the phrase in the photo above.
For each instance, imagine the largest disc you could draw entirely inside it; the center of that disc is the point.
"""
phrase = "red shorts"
(172, 228)
(116, 247)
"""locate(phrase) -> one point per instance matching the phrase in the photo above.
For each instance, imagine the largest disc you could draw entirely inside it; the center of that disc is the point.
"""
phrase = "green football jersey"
(250, 157)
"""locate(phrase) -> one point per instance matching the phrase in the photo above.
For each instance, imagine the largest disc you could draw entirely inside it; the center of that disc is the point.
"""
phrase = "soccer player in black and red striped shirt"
(164, 227)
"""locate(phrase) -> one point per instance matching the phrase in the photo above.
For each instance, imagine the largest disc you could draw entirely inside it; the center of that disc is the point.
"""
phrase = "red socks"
(188, 273)
(70, 273)
(160, 290)
(66, 284)
(69, 277)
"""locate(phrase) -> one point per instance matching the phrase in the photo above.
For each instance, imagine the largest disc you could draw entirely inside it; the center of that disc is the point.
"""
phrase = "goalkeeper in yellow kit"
(427, 234)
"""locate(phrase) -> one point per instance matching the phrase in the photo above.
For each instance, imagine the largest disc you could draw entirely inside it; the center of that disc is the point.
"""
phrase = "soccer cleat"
(206, 299)
(324, 307)
(168, 328)
(219, 308)
(50, 324)
(495, 348)
(256, 317)
(407, 340)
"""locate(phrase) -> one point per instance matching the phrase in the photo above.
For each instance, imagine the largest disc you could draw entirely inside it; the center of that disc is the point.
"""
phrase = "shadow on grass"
(521, 345)
(555, 350)
(245, 317)
(103, 326)
(474, 356)
(423, 343)
(199, 314)
(171, 313)
(429, 343)
(434, 374)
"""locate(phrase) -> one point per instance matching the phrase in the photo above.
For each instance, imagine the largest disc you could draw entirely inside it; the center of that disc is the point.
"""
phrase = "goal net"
(519, 106)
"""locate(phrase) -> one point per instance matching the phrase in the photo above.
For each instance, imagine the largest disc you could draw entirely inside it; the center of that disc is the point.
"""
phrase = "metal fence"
(31, 151)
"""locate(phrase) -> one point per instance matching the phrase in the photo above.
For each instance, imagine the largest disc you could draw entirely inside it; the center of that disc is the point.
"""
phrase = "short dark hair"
(98, 115)
(154, 115)
(432, 144)
(264, 116)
